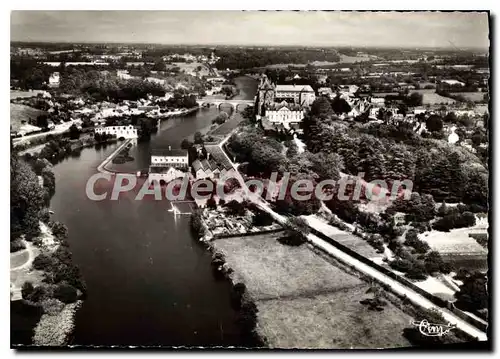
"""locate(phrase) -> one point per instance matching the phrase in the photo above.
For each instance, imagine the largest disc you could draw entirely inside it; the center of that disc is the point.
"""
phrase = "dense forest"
(249, 58)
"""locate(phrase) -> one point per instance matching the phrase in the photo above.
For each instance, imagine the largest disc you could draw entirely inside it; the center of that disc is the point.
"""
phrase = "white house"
(168, 164)
(176, 158)
(453, 82)
(54, 79)
(379, 101)
(120, 131)
(453, 137)
(166, 174)
(374, 111)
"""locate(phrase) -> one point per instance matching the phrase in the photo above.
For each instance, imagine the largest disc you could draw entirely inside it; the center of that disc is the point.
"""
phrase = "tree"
(292, 150)
(248, 113)
(416, 271)
(450, 117)
(466, 121)
(473, 293)
(186, 144)
(27, 290)
(321, 108)
(434, 263)
(262, 219)
(414, 99)
(296, 232)
(27, 199)
(327, 165)
(74, 132)
(198, 137)
(442, 210)
(66, 293)
(236, 208)
(403, 109)
(211, 204)
(412, 240)
(339, 105)
(42, 121)
(434, 123)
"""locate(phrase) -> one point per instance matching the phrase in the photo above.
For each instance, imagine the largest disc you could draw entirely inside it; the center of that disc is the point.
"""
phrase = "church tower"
(265, 97)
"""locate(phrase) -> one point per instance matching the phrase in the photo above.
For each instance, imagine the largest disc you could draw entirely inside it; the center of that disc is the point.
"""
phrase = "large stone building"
(284, 114)
(269, 93)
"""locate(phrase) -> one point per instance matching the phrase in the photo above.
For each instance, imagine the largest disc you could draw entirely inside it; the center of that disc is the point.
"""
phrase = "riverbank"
(179, 113)
(102, 167)
(56, 322)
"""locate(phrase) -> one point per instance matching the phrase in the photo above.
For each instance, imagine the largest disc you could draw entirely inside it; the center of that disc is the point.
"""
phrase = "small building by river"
(168, 164)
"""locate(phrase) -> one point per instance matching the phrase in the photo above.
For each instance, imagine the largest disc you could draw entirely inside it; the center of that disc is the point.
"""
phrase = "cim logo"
(433, 330)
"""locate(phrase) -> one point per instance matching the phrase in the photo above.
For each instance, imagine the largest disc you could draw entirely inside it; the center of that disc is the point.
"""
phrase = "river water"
(149, 281)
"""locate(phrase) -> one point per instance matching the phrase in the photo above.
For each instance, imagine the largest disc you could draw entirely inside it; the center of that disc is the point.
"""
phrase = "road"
(58, 129)
(395, 286)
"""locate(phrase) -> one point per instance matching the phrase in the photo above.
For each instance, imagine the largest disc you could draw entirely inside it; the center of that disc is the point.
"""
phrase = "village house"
(325, 91)
(211, 168)
(453, 82)
(54, 79)
(378, 101)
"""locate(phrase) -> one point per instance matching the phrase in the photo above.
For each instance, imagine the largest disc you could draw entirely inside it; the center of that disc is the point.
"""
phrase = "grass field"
(227, 126)
(19, 258)
(19, 113)
(430, 97)
(471, 96)
(273, 270)
(349, 240)
(330, 321)
(15, 93)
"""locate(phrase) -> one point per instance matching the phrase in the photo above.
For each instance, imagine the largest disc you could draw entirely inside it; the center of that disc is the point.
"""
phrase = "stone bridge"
(235, 104)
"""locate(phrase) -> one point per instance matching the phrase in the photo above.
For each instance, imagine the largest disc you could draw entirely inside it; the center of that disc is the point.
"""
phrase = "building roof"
(296, 88)
(275, 106)
(218, 157)
(169, 152)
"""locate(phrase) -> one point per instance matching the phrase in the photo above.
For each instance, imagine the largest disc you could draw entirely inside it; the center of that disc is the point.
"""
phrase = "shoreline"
(102, 167)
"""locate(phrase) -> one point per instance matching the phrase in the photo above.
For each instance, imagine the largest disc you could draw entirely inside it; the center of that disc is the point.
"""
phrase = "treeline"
(103, 86)
(28, 74)
(235, 58)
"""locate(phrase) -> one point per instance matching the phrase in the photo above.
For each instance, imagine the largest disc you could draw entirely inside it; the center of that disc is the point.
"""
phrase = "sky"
(309, 28)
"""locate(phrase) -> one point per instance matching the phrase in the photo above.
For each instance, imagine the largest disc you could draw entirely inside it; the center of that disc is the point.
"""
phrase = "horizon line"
(252, 45)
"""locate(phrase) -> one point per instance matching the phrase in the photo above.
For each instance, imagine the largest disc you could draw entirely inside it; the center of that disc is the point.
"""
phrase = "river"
(149, 281)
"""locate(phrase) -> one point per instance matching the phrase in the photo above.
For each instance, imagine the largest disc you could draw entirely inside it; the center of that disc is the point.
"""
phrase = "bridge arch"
(241, 106)
(234, 108)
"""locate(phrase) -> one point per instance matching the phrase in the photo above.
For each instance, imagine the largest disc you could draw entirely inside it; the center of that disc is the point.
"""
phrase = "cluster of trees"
(27, 200)
(473, 294)
(181, 99)
(390, 152)
(454, 217)
(62, 278)
(247, 58)
(264, 155)
(29, 74)
(102, 85)
(221, 118)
